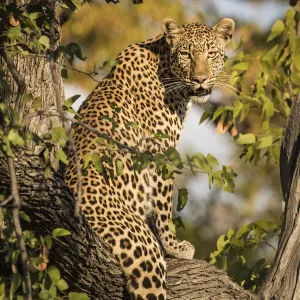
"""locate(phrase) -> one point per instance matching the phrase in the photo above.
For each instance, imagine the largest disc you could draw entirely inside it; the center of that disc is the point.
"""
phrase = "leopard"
(149, 90)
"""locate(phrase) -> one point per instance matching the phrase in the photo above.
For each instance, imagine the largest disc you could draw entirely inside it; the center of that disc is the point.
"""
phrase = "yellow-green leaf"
(248, 138)
(265, 142)
(53, 273)
(277, 29)
(78, 296)
(60, 232)
(243, 66)
(119, 167)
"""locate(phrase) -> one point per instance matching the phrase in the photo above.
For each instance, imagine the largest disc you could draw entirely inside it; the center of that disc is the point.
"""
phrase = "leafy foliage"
(46, 279)
(235, 250)
(271, 94)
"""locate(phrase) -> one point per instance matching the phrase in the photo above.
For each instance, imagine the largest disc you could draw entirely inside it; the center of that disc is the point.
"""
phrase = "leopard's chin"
(199, 99)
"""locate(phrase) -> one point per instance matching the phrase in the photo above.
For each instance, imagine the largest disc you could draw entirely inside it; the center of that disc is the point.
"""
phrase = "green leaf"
(27, 98)
(238, 106)
(78, 296)
(270, 55)
(200, 161)
(44, 295)
(53, 273)
(100, 141)
(24, 216)
(178, 223)
(218, 112)
(265, 225)
(182, 199)
(217, 177)
(73, 50)
(97, 163)
(2, 288)
(60, 232)
(264, 142)
(243, 66)
(230, 233)
(70, 101)
(161, 135)
(45, 41)
(174, 157)
(14, 32)
(119, 167)
(59, 135)
(35, 15)
(132, 124)
(296, 62)
(159, 159)
(15, 283)
(205, 116)
(268, 108)
(61, 155)
(190, 164)
(15, 139)
(245, 111)
(64, 73)
(277, 29)
(37, 102)
(166, 171)
(62, 285)
(172, 226)
(221, 242)
(212, 160)
(241, 231)
(248, 138)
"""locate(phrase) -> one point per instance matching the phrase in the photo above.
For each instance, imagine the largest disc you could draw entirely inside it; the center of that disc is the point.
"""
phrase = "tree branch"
(17, 225)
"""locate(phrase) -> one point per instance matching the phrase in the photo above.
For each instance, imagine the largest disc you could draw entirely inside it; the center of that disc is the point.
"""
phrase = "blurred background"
(103, 30)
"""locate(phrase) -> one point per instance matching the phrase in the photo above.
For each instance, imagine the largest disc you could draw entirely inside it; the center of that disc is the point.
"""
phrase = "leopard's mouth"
(200, 92)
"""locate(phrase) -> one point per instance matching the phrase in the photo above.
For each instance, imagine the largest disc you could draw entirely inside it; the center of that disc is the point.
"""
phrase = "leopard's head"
(197, 54)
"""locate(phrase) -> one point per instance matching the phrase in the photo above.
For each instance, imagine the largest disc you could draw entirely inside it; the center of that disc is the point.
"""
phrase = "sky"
(203, 138)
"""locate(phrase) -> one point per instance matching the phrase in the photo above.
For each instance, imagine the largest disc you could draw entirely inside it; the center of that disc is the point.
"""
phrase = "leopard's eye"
(212, 54)
(186, 54)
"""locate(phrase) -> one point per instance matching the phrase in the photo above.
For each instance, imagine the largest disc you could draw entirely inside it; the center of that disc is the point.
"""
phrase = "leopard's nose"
(200, 79)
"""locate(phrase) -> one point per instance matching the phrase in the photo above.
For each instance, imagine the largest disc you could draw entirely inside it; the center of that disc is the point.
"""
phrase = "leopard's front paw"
(184, 250)
(187, 250)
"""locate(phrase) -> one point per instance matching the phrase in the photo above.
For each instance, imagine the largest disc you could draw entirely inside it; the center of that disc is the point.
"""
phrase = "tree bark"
(86, 262)
(283, 281)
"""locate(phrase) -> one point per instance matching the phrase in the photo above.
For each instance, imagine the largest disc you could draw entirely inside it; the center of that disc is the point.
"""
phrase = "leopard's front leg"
(162, 200)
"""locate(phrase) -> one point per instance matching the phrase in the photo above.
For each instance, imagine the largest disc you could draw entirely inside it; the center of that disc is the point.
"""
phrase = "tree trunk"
(86, 262)
(283, 281)
(31, 75)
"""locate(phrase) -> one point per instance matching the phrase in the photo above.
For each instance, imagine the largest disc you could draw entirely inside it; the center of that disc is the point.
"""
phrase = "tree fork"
(85, 260)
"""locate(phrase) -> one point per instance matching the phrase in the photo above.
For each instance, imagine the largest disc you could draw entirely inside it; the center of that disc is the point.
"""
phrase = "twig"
(270, 246)
(17, 226)
(6, 201)
(59, 104)
(81, 72)
(90, 128)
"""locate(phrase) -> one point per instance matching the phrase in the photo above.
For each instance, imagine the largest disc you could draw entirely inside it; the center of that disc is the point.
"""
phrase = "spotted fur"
(153, 85)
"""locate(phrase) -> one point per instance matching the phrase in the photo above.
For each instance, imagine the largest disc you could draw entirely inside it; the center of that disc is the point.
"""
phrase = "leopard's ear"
(172, 31)
(223, 30)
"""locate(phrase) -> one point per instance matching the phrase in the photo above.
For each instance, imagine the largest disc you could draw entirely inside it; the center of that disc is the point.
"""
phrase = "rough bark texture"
(34, 72)
(283, 281)
(86, 262)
